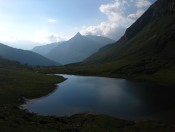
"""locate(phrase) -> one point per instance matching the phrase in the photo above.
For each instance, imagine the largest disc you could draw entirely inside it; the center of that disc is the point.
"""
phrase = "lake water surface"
(115, 97)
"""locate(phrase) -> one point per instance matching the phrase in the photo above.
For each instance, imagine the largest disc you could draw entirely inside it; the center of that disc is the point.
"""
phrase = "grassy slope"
(144, 44)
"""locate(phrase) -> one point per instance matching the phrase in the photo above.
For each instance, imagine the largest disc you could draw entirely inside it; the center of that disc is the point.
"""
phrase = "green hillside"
(152, 34)
(156, 38)
(146, 49)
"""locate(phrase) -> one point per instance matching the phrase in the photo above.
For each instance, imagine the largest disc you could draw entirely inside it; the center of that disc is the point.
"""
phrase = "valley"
(144, 54)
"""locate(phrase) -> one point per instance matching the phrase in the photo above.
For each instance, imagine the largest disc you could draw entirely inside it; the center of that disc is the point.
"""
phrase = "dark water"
(116, 97)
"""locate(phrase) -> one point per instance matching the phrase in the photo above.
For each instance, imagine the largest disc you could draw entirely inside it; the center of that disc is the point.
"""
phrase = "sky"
(27, 23)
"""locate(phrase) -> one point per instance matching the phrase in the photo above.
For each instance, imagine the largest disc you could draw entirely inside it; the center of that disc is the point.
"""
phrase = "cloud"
(114, 11)
(109, 29)
(115, 24)
(13, 37)
(102, 29)
(28, 42)
(136, 15)
(118, 17)
(45, 38)
(51, 20)
(142, 3)
(54, 38)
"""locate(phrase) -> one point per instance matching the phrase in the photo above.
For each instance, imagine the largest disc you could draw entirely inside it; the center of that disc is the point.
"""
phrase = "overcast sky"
(47, 21)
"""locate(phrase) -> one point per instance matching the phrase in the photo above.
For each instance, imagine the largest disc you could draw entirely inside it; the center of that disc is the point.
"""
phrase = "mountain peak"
(78, 35)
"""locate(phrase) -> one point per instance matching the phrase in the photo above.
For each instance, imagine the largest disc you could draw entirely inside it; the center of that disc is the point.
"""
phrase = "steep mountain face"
(76, 49)
(147, 46)
(24, 56)
(45, 49)
(158, 9)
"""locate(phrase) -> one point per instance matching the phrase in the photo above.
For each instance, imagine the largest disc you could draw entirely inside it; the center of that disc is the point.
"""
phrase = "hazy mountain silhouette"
(22, 44)
(24, 56)
(45, 49)
(77, 48)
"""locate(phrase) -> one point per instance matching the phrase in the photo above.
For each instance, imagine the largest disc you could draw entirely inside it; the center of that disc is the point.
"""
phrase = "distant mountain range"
(21, 44)
(147, 46)
(24, 56)
(74, 50)
(45, 49)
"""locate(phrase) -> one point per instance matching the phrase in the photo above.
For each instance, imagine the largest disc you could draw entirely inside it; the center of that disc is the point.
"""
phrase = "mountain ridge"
(24, 56)
(151, 15)
(76, 49)
(45, 49)
(149, 54)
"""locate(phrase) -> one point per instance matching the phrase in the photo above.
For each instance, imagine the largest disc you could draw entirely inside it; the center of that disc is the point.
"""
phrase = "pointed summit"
(78, 35)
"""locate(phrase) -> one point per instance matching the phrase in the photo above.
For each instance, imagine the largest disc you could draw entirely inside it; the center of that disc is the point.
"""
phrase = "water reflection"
(116, 97)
